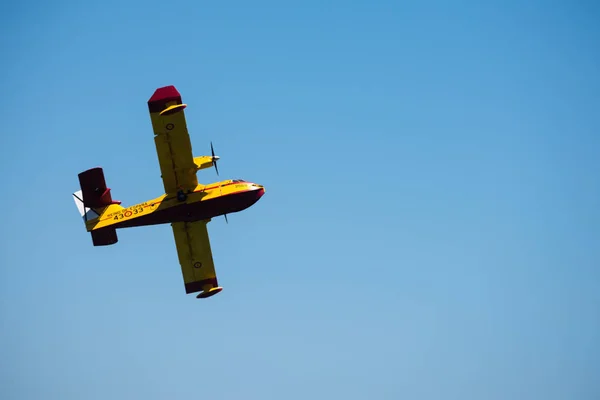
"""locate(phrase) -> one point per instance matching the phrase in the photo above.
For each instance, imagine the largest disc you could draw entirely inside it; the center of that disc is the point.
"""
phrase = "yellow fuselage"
(203, 203)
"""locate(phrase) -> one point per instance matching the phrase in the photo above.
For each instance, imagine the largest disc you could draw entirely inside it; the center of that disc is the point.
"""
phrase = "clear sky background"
(431, 223)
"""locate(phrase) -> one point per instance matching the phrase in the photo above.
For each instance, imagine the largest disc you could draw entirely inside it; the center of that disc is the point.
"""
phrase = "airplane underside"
(197, 211)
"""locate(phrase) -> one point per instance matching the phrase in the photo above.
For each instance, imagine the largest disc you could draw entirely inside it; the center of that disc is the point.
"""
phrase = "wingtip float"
(186, 204)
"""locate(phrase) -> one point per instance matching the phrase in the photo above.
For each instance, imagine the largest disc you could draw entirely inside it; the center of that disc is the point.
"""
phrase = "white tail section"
(85, 212)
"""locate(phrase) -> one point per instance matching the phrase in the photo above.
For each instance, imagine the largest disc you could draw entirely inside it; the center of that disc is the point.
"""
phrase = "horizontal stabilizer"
(95, 194)
(104, 236)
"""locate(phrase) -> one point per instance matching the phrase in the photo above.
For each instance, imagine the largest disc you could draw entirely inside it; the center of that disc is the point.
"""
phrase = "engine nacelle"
(203, 162)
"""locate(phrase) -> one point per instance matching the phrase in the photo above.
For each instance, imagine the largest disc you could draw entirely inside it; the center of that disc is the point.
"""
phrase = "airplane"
(186, 204)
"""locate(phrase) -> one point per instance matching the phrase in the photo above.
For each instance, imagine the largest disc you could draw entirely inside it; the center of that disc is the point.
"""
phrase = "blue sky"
(431, 223)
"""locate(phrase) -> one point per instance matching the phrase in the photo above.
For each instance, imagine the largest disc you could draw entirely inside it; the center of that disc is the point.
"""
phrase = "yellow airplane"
(187, 205)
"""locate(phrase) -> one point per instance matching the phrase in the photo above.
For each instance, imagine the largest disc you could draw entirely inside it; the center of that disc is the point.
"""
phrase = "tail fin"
(92, 201)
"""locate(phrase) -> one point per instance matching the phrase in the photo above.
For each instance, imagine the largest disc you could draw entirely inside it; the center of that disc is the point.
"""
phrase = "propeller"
(214, 158)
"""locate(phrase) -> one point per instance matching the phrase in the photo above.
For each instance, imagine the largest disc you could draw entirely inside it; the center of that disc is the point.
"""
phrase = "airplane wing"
(195, 257)
(172, 140)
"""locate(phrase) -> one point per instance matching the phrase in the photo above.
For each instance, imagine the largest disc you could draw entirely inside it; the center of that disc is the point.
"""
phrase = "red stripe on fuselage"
(218, 186)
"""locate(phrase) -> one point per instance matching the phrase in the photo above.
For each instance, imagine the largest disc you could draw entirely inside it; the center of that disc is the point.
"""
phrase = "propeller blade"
(212, 151)
(214, 159)
(221, 192)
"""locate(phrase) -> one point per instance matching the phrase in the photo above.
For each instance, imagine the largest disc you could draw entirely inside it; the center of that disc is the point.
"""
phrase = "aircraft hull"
(197, 211)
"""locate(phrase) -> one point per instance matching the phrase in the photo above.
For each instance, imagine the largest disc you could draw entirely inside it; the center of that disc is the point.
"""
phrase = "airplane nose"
(261, 189)
(255, 193)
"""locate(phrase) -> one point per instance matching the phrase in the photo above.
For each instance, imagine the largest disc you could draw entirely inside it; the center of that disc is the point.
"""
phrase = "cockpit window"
(238, 180)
